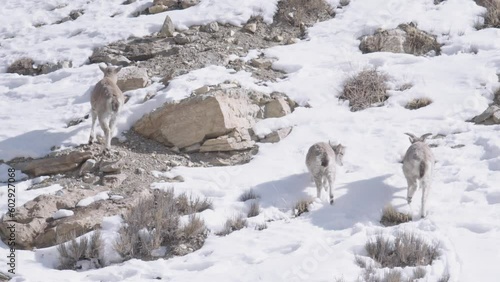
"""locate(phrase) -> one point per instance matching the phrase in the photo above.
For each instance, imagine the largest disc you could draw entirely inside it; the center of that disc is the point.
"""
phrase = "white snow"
(464, 203)
(90, 200)
(62, 213)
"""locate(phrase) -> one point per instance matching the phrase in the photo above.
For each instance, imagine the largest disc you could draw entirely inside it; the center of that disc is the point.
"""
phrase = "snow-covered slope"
(464, 206)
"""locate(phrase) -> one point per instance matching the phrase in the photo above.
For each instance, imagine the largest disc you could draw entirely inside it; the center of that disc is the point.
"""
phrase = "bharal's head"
(339, 152)
(110, 71)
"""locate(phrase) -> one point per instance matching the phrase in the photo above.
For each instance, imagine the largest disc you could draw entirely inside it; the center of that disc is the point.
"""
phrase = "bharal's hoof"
(331, 201)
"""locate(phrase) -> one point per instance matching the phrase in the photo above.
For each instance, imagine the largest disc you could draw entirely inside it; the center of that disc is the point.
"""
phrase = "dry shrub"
(418, 103)
(407, 249)
(233, 224)
(369, 273)
(296, 12)
(254, 209)
(302, 206)
(154, 223)
(366, 88)
(419, 273)
(390, 216)
(248, 195)
(492, 14)
(405, 86)
(189, 204)
(85, 249)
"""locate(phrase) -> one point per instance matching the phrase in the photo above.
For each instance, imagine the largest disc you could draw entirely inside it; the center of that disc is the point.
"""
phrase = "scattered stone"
(131, 78)
(51, 67)
(261, 63)
(109, 56)
(168, 28)
(179, 178)
(23, 66)
(113, 180)
(140, 171)
(90, 178)
(87, 166)
(278, 38)
(182, 39)
(168, 3)
(489, 116)
(188, 3)
(157, 9)
(251, 27)
(111, 166)
(75, 14)
(54, 165)
(210, 28)
(292, 41)
(77, 121)
(277, 135)
(277, 108)
(192, 148)
(202, 90)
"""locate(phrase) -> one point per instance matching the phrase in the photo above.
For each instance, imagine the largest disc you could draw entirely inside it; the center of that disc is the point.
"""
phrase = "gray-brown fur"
(418, 166)
(321, 162)
(106, 101)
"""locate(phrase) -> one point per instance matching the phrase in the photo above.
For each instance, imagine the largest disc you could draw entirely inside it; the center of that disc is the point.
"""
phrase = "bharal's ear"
(118, 69)
(103, 69)
(413, 138)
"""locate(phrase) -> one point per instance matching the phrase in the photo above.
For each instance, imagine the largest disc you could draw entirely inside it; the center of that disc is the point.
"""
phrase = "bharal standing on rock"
(418, 166)
(106, 101)
(321, 162)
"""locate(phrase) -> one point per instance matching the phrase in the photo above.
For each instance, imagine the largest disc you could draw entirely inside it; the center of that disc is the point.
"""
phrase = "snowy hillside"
(321, 245)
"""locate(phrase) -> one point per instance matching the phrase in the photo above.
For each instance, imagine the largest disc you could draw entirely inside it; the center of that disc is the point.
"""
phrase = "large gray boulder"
(197, 118)
(406, 38)
(131, 78)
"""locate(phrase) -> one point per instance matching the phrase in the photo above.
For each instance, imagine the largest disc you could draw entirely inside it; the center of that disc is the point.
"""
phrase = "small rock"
(188, 3)
(202, 90)
(90, 178)
(87, 166)
(75, 14)
(55, 165)
(261, 63)
(179, 178)
(23, 66)
(175, 149)
(131, 78)
(140, 171)
(168, 3)
(225, 143)
(192, 148)
(251, 27)
(157, 9)
(111, 166)
(487, 116)
(278, 38)
(168, 28)
(277, 108)
(225, 86)
(181, 39)
(231, 33)
(50, 67)
(114, 180)
(277, 135)
(292, 41)
(211, 27)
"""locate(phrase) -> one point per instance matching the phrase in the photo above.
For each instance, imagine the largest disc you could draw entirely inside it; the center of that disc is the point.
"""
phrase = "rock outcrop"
(406, 38)
(218, 120)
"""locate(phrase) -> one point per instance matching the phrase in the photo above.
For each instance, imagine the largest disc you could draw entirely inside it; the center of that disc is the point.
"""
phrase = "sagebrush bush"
(233, 224)
(84, 249)
(418, 103)
(189, 204)
(492, 14)
(407, 249)
(301, 206)
(248, 195)
(154, 222)
(390, 216)
(254, 209)
(365, 89)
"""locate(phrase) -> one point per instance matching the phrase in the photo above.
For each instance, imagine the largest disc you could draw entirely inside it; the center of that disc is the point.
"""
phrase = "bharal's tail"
(423, 167)
(115, 105)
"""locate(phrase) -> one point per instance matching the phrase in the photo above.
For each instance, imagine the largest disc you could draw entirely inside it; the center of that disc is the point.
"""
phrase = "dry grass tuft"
(302, 206)
(492, 14)
(188, 204)
(365, 89)
(85, 249)
(419, 273)
(418, 103)
(390, 216)
(233, 224)
(254, 209)
(407, 249)
(261, 227)
(248, 195)
(154, 223)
